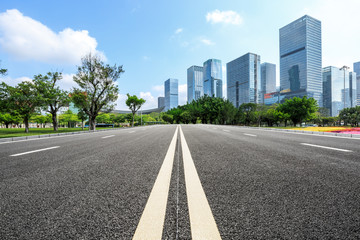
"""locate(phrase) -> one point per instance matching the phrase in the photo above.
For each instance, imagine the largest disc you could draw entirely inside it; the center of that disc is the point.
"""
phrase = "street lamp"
(344, 68)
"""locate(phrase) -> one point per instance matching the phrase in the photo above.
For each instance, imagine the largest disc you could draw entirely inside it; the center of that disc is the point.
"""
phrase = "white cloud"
(120, 103)
(67, 82)
(151, 101)
(159, 89)
(340, 37)
(14, 81)
(27, 39)
(182, 94)
(207, 41)
(227, 17)
(179, 30)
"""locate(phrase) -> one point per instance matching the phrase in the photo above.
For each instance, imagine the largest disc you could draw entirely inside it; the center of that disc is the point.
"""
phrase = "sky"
(156, 40)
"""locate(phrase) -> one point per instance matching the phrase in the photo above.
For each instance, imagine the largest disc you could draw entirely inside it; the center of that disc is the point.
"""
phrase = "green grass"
(20, 132)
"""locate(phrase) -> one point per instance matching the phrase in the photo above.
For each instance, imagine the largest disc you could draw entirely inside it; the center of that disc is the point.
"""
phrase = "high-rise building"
(171, 93)
(353, 88)
(339, 92)
(357, 70)
(195, 83)
(268, 78)
(243, 80)
(161, 102)
(213, 78)
(301, 58)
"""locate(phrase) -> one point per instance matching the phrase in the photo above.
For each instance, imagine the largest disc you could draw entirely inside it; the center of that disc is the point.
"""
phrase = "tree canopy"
(134, 103)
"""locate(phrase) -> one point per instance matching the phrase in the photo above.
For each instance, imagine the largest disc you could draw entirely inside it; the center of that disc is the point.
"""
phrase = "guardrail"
(14, 139)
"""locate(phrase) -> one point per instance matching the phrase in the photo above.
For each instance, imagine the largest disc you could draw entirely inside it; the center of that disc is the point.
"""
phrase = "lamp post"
(344, 68)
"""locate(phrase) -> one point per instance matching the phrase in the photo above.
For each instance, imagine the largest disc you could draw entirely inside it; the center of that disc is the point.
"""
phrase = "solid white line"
(251, 135)
(331, 148)
(109, 136)
(151, 223)
(39, 150)
(202, 222)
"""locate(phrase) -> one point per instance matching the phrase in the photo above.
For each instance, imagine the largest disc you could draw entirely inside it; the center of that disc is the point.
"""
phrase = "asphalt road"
(258, 184)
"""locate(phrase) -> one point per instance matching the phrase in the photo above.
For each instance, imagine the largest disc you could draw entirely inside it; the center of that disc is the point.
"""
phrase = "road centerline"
(151, 223)
(202, 222)
(38, 150)
(325, 147)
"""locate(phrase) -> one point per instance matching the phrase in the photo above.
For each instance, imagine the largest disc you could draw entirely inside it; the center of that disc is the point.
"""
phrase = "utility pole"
(344, 68)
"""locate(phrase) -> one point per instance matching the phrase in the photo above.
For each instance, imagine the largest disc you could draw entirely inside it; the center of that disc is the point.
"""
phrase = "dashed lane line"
(109, 136)
(325, 147)
(202, 222)
(251, 135)
(151, 223)
(38, 150)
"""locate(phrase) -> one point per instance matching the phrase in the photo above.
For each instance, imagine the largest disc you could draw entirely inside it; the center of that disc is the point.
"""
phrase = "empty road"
(181, 182)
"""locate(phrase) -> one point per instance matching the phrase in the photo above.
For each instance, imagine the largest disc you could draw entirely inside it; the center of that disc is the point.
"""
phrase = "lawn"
(20, 132)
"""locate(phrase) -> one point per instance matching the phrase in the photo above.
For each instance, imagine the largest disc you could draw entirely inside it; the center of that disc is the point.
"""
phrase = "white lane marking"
(151, 223)
(251, 135)
(109, 136)
(131, 131)
(331, 148)
(202, 222)
(39, 150)
(226, 130)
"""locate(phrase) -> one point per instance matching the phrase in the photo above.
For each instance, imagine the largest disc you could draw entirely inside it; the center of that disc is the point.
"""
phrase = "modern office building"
(353, 89)
(161, 102)
(171, 93)
(301, 58)
(339, 92)
(243, 80)
(212, 74)
(357, 71)
(195, 83)
(268, 78)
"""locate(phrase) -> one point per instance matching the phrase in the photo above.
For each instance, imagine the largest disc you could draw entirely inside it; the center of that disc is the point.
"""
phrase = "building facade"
(244, 80)
(212, 75)
(339, 92)
(357, 71)
(353, 89)
(171, 93)
(161, 102)
(301, 58)
(195, 83)
(268, 78)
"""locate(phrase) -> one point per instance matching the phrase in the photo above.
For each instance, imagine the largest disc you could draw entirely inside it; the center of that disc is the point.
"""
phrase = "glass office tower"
(213, 78)
(195, 83)
(353, 88)
(301, 58)
(161, 102)
(357, 71)
(171, 93)
(243, 80)
(335, 93)
(268, 78)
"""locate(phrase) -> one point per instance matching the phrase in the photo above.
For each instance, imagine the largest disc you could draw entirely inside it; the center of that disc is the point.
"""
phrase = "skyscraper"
(335, 93)
(357, 70)
(171, 93)
(161, 102)
(195, 83)
(268, 78)
(300, 58)
(353, 88)
(243, 80)
(213, 78)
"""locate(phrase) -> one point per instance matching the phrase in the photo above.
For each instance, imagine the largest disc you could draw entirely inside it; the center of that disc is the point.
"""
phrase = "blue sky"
(157, 40)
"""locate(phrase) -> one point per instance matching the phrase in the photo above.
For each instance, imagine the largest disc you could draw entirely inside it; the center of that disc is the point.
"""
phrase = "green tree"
(103, 118)
(3, 71)
(82, 117)
(299, 109)
(97, 90)
(247, 113)
(167, 118)
(69, 117)
(24, 99)
(53, 97)
(134, 103)
(8, 119)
